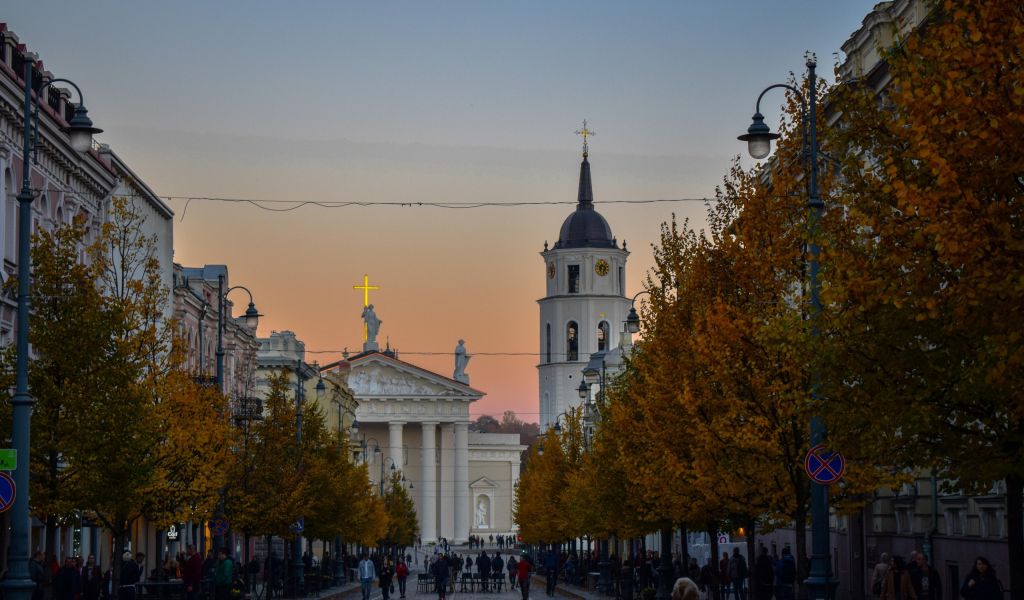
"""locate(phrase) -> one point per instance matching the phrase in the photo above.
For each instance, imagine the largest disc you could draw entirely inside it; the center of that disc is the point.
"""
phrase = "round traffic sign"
(824, 466)
(7, 491)
(219, 525)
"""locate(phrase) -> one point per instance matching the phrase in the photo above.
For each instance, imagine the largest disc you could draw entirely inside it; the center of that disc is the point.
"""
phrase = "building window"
(903, 520)
(572, 342)
(954, 521)
(547, 349)
(991, 523)
(602, 336)
(574, 279)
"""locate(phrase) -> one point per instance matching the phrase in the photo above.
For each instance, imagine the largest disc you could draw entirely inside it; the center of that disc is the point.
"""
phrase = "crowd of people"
(501, 541)
(897, 579)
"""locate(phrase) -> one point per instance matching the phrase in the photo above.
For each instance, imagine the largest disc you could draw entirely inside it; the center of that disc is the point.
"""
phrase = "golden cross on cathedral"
(366, 287)
(585, 133)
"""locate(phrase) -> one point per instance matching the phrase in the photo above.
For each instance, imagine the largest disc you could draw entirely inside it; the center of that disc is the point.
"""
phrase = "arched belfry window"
(602, 336)
(572, 341)
(548, 342)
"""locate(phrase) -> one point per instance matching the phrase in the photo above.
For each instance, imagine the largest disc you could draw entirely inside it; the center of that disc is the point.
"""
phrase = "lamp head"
(80, 129)
(632, 321)
(558, 427)
(758, 137)
(355, 426)
(321, 389)
(584, 391)
(252, 317)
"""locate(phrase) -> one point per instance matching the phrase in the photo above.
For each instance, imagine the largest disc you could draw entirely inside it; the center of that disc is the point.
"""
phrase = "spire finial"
(586, 133)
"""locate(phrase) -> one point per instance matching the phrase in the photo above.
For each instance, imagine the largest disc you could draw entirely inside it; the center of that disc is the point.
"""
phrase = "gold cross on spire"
(366, 287)
(585, 133)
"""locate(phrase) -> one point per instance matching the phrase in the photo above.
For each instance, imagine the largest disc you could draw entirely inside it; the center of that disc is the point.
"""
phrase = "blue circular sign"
(824, 466)
(7, 491)
(219, 525)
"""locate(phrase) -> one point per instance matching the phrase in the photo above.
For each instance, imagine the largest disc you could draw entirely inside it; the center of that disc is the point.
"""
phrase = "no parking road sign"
(824, 466)
(7, 491)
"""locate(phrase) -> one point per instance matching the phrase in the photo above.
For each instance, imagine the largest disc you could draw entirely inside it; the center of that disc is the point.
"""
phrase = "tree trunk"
(684, 549)
(716, 587)
(751, 554)
(115, 560)
(1015, 534)
(800, 527)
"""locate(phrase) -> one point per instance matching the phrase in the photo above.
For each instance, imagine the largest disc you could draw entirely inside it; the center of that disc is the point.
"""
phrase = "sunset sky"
(459, 101)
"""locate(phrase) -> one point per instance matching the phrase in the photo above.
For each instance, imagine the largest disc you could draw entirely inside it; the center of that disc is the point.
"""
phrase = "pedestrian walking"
(551, 567)
(386, 578)
(878, 575)
(92, 579)
(367, 573)
(497, 569)
(223, 576)
(66, 582)
(764, 576)
(738, 573)
(523, 576)
(708, 578)
(785, 576)
(402, 573)
(131, 573)
(723, 575)
(925, 579)
(897, 585)
(441, 573)
(511, 565)
(981, 583)
(192, 574)
(483, 568)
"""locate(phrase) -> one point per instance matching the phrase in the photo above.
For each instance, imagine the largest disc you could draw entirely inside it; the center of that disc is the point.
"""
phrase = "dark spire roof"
(585, 227)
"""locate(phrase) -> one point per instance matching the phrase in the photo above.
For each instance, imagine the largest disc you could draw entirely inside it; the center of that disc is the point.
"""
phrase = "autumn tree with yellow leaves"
(929, 299)
(114, 413)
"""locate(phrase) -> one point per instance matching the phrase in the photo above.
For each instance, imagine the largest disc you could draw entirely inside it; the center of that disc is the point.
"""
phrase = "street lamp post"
(819, 583)
(338, 574)
(17, 584)
(300, 394)
(594, 373)
(252, 319)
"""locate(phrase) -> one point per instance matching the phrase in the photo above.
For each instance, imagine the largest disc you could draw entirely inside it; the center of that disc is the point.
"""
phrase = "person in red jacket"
(192, 574)
(523, 575)
(401, 572)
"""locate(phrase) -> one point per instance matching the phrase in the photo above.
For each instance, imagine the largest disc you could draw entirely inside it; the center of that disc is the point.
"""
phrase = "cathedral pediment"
(378, 375)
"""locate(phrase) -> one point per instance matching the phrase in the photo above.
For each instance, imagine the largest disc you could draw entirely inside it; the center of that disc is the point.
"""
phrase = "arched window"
(548, 342)
(602, 336)
(572, 341)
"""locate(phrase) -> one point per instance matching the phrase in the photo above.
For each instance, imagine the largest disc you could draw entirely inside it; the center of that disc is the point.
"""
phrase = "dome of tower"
(585, 227)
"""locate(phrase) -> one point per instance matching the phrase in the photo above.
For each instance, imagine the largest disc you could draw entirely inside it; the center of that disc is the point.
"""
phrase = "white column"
(395, 450)
(428, 520)
(446, 527)
(462, 508)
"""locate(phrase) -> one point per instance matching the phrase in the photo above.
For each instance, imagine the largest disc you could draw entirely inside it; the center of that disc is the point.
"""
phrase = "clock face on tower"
(551, 270)
(601, 267)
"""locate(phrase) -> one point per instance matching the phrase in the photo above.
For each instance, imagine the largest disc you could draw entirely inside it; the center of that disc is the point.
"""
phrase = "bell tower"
(585, 306)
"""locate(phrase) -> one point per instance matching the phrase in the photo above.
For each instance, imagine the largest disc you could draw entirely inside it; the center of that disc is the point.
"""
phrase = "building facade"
(585, 305)
(416, 421)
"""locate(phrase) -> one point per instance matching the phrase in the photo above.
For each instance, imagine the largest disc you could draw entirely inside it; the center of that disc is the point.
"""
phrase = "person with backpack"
(785, 576)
